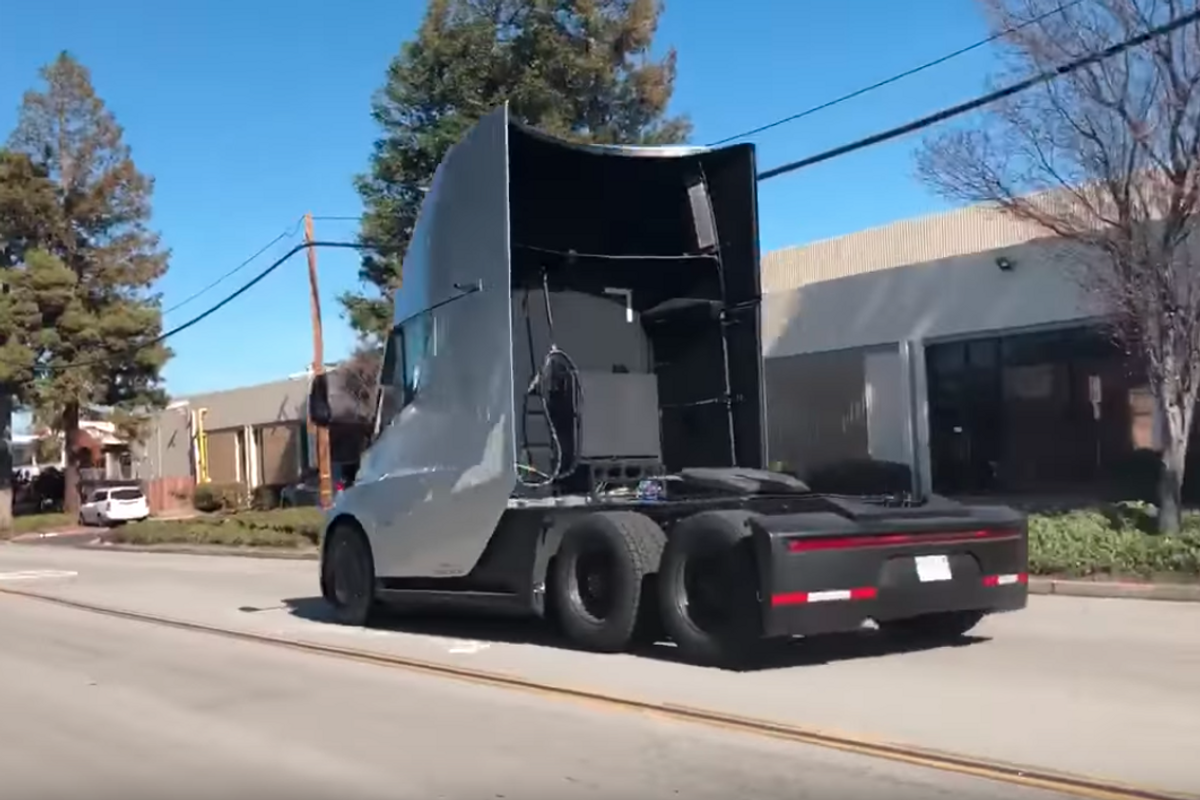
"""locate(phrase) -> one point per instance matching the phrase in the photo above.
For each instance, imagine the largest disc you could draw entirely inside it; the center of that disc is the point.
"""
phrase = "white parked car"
(114, 506)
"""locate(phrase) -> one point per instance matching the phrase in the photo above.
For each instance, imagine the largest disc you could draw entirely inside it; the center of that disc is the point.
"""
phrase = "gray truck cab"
(571, 420)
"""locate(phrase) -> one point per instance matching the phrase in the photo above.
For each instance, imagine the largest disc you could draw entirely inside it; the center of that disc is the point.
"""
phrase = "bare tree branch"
(1108, 159)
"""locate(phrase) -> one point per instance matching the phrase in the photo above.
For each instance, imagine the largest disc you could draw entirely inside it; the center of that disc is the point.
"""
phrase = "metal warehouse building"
(958, 344)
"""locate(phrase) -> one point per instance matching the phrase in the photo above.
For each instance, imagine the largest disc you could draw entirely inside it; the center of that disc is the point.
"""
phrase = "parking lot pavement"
(1106, 688)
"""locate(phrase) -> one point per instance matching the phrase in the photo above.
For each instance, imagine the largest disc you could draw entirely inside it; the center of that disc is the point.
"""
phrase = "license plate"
(933, 568)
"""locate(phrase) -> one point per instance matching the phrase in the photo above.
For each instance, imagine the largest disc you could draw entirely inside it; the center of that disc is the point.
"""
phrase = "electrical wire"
(897, 77)
(196, 320)
(893, 133)
(987, 99)
(286, 234)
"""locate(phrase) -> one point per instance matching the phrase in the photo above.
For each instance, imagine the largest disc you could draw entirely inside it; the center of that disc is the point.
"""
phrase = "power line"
(987, 99)
(869, 141)
(896, 78)
(287, 234)
(201, 316)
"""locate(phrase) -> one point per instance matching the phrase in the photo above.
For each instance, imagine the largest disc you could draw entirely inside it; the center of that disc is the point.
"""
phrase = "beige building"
(959, 344)
(254, 435)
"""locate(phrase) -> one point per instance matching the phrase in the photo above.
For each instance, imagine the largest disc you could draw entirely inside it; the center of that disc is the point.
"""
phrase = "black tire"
(348, 577)
(708, 590)
(933, 628)
(598, 578)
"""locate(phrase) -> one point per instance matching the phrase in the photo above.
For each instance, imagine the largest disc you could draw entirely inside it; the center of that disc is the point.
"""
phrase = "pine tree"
(580, 69)
(93, 281)
(27, 204)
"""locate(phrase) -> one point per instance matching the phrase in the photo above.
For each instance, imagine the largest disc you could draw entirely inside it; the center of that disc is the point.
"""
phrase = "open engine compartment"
(635, 312)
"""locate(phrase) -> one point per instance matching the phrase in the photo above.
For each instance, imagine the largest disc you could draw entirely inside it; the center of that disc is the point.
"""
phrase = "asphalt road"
(1103, 688)
(101, 707)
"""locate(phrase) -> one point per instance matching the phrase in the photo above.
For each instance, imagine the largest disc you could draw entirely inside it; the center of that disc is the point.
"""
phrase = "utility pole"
(324, 478)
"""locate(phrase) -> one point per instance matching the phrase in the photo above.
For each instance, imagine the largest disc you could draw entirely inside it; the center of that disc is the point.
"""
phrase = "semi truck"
(570, 423)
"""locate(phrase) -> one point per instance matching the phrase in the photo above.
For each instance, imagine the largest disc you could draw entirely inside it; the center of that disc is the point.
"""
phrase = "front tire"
(348, 577)
(708, 590)
(598, 578)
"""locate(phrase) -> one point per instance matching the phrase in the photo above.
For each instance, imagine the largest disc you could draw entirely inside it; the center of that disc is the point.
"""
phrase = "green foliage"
(212, 497)
(39, 523)
(285, 528)
(1114, 542)
(82, 262)
(265, 498)
(581, 70)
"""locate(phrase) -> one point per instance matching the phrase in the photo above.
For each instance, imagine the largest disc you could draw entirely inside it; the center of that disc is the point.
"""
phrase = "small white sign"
(933, 568)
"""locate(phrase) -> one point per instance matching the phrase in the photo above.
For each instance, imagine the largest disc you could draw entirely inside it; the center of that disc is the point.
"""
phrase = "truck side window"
(404, 361)
(417, 335)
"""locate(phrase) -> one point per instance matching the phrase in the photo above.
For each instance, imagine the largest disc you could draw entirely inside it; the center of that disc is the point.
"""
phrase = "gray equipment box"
(619, 415)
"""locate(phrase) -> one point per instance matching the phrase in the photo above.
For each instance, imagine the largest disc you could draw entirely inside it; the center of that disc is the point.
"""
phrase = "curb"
(206, 550)
(1172, 592)
(37, 536)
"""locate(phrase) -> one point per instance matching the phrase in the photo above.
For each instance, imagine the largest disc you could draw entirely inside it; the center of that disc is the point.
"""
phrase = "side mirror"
(320, 412)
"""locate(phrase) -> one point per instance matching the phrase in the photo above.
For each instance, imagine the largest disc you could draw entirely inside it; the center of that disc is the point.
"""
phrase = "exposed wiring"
(538, 384)
(895, 78)
(573, 254)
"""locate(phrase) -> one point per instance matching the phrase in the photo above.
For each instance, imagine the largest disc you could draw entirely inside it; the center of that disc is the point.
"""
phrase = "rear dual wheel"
(617, 579)
(708, 590)
(601, 581)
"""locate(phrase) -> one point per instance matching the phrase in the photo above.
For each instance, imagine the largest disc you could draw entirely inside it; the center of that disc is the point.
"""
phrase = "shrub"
(265, 498)
(205, 498)
(292, 527)
(1111, 542)
(304, 522)
(210, 497)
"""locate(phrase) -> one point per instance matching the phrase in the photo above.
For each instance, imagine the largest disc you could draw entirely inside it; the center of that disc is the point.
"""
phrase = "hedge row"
(1112, 542)
(291, 527)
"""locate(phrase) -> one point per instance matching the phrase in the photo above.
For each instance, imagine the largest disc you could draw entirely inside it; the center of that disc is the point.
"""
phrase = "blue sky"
(250, 113)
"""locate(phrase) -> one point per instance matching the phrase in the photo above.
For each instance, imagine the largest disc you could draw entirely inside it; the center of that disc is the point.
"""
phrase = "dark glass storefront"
(1034, 412)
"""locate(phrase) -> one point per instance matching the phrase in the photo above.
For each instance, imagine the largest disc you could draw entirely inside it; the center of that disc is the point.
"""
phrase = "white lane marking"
(37, 574)
(456, 646)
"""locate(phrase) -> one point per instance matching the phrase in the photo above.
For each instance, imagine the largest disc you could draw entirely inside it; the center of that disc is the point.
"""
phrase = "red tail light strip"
(796, 598)
(894, 540)
(1005, 580)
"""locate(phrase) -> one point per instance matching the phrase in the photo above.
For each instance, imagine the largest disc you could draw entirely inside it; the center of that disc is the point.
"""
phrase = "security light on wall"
(1004, 264)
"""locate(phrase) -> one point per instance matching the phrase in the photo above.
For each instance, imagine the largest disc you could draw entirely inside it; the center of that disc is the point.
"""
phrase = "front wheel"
(933, 628)
(348, 577)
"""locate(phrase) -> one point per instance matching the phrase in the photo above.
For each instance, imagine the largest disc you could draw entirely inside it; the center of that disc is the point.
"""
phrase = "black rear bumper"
(829, 572)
